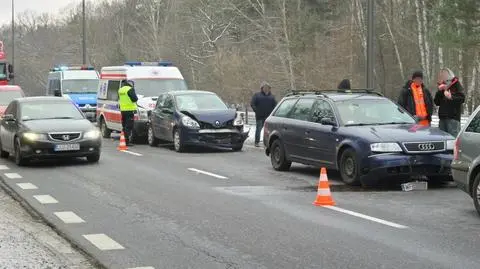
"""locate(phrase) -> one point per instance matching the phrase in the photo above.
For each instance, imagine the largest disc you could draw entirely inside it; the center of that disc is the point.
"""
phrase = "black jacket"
(407, 101)
(132, 94)
(450, 109)
(263, 104)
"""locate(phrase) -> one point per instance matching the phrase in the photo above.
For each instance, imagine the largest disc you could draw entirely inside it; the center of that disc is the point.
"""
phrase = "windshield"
(155, 87)
(49, 110)
(199, 101)
(80, 85)
(7, 96)
(372, 112)
(3, 71)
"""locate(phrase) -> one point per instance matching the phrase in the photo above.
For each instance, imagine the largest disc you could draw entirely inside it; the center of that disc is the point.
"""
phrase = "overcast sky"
(40, 6)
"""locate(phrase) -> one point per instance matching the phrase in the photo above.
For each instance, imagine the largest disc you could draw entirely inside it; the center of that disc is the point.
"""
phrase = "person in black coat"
(344, 85)
(406, 98)
(262, 103)
(450, 98)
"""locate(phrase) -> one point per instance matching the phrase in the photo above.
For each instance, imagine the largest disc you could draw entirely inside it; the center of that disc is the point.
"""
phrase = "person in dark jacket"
(417, 99)
(344, 85)
(450, 98)
(262, 103)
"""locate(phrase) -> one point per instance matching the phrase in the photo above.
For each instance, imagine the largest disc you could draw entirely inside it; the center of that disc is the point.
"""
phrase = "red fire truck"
(6, 69)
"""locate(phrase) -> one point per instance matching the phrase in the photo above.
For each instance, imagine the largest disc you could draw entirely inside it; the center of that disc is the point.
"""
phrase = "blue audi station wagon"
(360, 133)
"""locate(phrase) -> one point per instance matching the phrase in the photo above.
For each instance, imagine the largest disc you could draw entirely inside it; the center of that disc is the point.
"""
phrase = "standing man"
(127, 99)
(449, 98)
(417, 99)
(262, 103)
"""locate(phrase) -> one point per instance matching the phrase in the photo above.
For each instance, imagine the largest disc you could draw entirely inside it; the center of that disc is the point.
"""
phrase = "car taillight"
(456, 148)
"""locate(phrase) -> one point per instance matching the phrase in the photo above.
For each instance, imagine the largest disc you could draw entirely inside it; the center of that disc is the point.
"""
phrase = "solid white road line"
(355, 214)
(149, 267)
(69, 217)
(131, 152)
(27, 186)
(45, 199)
(103, 242)
(4, 167)
(12, 175)
(207, 173)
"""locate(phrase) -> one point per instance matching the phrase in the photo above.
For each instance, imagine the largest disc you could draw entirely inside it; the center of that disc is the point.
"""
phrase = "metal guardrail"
(435, 120)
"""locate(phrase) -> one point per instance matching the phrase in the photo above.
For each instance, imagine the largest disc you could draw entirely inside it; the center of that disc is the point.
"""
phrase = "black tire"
(93, 158)
(104, 129)
(439, 180)
(137, 139)
(349, 171)
(178, 144)
(152, 140)
(237, 148)
(3, 154)
(19, 159)
(278, 158)
(476, 193)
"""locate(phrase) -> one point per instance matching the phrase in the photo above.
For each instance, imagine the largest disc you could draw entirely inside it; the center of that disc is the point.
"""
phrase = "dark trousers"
(450, 126)
(127, 125)
(258, 130)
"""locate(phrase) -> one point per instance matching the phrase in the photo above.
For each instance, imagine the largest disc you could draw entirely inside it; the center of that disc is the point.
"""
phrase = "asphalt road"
(154, 208)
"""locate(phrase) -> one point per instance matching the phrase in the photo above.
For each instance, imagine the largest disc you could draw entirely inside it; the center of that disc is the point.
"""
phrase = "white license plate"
(67, 147)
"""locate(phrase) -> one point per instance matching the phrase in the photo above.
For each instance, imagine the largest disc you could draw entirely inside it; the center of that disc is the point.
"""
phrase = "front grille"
(64, 136)
(207, 125)
(424, 147)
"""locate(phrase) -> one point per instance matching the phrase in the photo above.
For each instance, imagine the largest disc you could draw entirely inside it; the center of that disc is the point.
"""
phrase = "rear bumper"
(461, 178)
(45, 149)
(213, 138)
(377, 167)
(140, 128)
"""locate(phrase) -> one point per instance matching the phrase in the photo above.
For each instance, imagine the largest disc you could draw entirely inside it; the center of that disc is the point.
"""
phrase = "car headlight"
(385, 147)
(190, 123)
(94, 134)
(142, 114)
(450, 144)
(34, 136)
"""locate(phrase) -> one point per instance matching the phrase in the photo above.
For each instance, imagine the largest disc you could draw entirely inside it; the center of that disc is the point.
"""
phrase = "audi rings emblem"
(426, 146)
(217, 123)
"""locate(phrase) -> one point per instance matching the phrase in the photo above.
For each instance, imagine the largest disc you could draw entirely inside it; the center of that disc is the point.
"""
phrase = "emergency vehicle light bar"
(63, 68)
(161, 63)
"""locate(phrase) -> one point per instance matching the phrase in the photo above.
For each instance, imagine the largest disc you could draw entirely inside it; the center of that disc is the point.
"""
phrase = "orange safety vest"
(420, 107)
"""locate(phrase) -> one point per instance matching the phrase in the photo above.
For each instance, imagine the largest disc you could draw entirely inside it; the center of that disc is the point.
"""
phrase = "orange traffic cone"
(324, 196)
(123, 143)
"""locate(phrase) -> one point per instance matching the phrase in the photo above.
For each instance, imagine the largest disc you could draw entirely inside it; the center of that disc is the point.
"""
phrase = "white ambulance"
(151, 79)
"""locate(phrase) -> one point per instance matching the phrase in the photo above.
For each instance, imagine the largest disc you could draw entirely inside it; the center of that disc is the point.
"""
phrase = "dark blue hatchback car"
(195, 118)
(360, 133)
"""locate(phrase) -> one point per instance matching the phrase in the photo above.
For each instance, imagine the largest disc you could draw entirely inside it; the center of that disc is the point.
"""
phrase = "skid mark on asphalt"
(27, 186)
(359, 215)
(198, 171)
(103, 242)
(12, 175)
(69, 217)
(45, 199)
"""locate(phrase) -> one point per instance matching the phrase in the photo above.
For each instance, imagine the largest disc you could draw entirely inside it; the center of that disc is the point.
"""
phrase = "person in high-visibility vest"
(127, 99)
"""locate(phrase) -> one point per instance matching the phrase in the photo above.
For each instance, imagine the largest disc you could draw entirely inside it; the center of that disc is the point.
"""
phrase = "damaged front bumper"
(224, 138)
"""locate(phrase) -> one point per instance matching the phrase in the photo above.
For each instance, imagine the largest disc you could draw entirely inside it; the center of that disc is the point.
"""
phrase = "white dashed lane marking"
(103, 242)
(27, 186)
(132, 153)
(12, 175)
(4, 167)
(69, 217)
(206, 173)
(149, 267)
(359, 215)
(45, 199)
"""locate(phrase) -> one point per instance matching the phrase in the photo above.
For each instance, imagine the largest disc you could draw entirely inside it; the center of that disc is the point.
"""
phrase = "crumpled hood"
(401, 133)
(211, 116)
(82, 98)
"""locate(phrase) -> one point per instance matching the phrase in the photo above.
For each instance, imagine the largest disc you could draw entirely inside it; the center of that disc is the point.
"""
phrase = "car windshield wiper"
(394, 122)
(359, 124)
(52, 118)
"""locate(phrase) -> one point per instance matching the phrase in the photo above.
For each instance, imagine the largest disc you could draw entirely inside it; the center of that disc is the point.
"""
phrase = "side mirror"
(327, 121)
(57, 92)
(10, 69)
(167, 111)
(9, 118)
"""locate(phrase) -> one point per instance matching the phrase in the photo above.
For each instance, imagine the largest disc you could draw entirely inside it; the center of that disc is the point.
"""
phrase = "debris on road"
(27, 243)
(415, 186)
